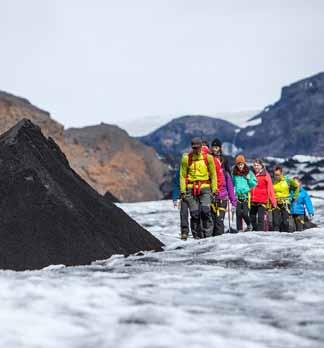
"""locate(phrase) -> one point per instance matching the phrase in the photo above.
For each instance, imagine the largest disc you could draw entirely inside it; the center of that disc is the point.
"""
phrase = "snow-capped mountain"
(142, 126)
(292, 125)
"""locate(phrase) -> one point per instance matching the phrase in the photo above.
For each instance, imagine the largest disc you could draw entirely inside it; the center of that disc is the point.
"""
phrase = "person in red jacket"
(262, 196)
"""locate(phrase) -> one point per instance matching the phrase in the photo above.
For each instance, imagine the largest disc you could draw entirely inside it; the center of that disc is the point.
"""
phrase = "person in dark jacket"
(300, 205)
(182, 205)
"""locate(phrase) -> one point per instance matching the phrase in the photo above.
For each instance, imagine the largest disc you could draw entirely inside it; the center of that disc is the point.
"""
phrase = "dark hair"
(277, 167)
(297, 178)
(216, 142)
(259, 162)
(205, 142)
(244, 171)
(225, 164)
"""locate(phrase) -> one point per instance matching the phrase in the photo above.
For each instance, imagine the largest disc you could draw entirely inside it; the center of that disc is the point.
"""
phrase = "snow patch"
(305, 158)
(250, 133)
(275, 159)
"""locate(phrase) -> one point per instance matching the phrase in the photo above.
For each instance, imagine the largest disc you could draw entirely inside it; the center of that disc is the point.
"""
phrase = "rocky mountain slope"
(14, 109)
(105, 156)
(293, 125)
(111, 160)
(171, 140)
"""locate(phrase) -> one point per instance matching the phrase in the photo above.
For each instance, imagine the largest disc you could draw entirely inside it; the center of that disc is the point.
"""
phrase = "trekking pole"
(229, 216)
(231, 229)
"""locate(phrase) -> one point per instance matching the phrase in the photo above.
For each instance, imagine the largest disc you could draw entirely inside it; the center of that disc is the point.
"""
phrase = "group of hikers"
(206, 187)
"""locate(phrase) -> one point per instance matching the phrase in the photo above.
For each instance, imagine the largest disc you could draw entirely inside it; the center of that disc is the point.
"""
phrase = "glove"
(182, 195)
(248, 177)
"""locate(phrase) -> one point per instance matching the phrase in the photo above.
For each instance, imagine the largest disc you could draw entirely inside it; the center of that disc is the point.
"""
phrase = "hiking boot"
(184, 236)
(249, 229)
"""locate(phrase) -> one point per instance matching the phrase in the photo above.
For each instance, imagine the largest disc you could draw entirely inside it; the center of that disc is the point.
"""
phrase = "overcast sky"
(92, 61)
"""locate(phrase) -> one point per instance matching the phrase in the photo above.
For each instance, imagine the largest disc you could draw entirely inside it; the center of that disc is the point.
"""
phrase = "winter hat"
(205, 150)
(205, 142)
(240, 159)
(217, 142)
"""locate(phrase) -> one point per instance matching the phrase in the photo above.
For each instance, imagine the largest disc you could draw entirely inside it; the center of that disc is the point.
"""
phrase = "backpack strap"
(206, 160)
(188, 166)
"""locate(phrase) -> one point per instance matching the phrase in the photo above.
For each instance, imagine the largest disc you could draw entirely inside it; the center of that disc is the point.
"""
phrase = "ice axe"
(230, 228)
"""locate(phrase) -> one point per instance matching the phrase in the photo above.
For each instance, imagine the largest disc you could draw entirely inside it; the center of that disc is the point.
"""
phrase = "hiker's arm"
(271, 194)
(212, 173)
(293, 184)
(252, 181)
(230, 189)
(176, 187)
(183, 173)
(309, 204)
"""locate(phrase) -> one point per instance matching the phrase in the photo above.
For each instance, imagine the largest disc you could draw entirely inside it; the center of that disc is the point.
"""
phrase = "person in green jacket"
(244, 180)
(286, 190)
(198, 182)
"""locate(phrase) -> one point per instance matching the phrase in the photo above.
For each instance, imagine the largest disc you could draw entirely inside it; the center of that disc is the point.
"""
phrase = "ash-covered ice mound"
(49, 215)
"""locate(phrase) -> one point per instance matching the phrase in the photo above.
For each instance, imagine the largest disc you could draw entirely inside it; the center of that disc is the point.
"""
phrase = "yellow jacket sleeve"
(212, 173)
(183, 173)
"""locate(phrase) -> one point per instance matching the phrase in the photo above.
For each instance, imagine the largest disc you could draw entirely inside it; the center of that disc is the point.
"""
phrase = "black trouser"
(218, 213)
(257, 212)
(200, 212)
(299, 222)
(242, 213)
(184, 217)
(281, 218)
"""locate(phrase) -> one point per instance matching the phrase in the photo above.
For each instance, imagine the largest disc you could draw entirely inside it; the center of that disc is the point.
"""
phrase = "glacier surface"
(250, 290)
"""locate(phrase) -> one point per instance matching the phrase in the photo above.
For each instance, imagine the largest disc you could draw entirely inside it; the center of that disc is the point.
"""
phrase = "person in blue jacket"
(300, 205)
(182, 205)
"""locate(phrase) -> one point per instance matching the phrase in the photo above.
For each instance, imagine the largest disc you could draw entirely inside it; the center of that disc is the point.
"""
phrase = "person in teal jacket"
(244, 180)
(300, 205)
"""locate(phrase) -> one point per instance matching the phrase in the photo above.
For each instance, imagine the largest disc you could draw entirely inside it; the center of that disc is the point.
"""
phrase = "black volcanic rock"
(293, 125)
(307, 179)
(290, 163)
(173, 139)
(49, 215)
(110, 197)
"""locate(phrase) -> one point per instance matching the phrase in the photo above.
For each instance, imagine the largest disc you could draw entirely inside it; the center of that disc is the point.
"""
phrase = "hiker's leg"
(276, 218)
(205, 213)
(299, 222)
(253, 216)
(219, 218)
(270, 220)
(193, 205)
(184, 217)
(284, 219)
(239, 216)
(260, 220)
(245, 214)
(214, 212)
